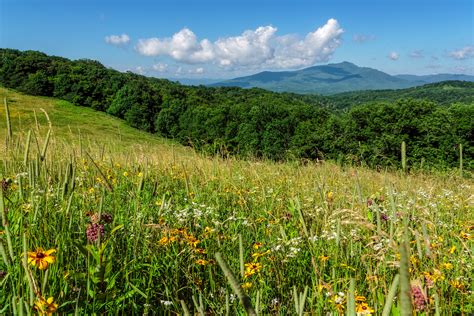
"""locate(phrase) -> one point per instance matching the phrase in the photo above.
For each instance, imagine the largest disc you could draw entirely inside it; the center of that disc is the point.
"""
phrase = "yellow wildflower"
(330, 196)
(247, 285)
(465, 236)
(323, 258)
(166, 240)
(200, 251)
(201, 262)
(46, 306)
(447, 266)
(41, 258)
(193, 241)
(252, 268)
(260, 254)
(364, 309)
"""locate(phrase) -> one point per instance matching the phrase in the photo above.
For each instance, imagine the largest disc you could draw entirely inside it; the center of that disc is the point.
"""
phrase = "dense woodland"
(362, 127)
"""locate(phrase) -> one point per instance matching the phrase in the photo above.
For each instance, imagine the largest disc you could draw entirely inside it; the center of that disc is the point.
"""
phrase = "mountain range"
(334, 78)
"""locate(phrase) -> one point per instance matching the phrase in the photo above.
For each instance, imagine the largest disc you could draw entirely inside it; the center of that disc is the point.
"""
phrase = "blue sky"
(223, 39)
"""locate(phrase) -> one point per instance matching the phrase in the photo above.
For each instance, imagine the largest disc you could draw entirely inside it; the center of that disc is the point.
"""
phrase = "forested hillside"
(256, 122)
(443, 93)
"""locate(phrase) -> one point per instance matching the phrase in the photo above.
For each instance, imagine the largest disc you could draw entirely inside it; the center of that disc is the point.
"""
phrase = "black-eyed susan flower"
(193, 241)
(200, 251)
(40, 258)
(252, 268)
(257, 245)
(364, 309)
(46, 306)
(201, 262)
(323, 258)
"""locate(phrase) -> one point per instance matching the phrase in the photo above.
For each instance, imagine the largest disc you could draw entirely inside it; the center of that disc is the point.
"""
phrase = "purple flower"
(419, 299)
(93, 231)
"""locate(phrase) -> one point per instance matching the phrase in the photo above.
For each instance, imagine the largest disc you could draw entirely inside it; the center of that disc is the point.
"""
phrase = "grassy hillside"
(73, 123)
(134, 225)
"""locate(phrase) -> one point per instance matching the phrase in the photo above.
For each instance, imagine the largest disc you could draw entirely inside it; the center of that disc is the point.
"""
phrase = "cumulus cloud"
(362, 38)
(251, 49)
(463, 53)
(393, 55)
(117, 40)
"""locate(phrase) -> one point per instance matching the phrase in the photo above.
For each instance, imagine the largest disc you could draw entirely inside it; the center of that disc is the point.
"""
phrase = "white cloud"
(183, 46)
(252, 49)
(117, 40)
(362, 38)
(463, 53)
(160, 67)
(199, 70)
(140, 70)
(417, 54)
(393, 55)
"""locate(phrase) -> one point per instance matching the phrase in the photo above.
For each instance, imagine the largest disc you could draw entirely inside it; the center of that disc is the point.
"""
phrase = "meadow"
(99, 218)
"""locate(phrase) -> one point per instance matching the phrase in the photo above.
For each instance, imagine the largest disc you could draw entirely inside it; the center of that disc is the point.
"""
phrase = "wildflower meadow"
(96, 224)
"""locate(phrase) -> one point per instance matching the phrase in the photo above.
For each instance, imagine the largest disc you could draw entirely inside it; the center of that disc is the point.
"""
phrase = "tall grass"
(138, 229)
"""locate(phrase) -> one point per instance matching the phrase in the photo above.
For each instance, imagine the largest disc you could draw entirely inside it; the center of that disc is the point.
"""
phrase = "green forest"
(358, 128)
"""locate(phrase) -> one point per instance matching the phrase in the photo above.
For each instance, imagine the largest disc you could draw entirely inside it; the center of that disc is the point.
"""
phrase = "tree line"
(256, 122)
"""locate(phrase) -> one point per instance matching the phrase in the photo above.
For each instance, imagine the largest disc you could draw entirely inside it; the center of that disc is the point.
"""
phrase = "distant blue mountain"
(332, 79)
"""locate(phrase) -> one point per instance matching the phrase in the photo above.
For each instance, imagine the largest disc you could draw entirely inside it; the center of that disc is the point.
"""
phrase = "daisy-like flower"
(40, 258)
(252, 268)
(46, 306)
(193, 241)
(200, 251)
(201, 262)
(323, 258)
(364, 309)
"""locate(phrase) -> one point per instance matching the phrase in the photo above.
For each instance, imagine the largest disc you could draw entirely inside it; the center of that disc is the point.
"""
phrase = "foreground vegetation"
(434, 122)
(98, 218)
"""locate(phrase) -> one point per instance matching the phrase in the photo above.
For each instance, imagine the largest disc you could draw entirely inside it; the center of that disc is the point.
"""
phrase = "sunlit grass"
(136, 223)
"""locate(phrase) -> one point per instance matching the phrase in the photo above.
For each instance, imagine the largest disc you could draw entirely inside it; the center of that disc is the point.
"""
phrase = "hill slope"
(74, 125)
(333, 78)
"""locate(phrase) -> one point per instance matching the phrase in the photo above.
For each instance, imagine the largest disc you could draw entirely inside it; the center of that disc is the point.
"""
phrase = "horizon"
(206, 42)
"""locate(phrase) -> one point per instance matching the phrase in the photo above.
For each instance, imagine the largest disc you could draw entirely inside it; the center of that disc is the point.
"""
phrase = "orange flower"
(41, 258)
